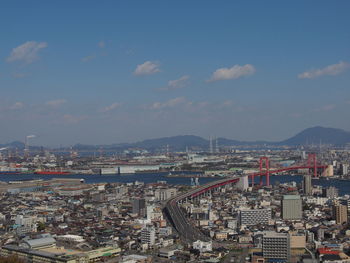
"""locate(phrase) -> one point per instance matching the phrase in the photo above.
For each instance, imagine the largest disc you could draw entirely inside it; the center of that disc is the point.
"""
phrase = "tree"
(40, 227)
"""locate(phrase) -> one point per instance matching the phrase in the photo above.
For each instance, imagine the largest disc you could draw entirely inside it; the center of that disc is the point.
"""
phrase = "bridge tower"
(264, 169)
(312, 162)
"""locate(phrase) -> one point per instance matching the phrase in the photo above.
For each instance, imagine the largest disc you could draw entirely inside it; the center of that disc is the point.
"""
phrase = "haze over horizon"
(113, 72)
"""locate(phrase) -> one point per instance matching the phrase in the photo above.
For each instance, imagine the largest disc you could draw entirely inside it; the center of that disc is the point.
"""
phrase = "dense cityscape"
(227, 219)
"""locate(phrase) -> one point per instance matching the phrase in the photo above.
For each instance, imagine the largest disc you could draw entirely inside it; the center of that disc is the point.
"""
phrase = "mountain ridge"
(313, 135)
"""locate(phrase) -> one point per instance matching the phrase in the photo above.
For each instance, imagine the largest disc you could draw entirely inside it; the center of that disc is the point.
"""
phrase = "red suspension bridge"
(265, 172)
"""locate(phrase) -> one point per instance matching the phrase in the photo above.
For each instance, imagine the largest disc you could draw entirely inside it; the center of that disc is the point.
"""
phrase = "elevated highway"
(190, 233)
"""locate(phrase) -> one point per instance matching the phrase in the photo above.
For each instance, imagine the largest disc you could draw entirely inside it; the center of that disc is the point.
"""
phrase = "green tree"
(40, 227)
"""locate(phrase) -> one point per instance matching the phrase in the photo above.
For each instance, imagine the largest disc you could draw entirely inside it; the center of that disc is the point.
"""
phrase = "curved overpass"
(187, 231)
(184, 227)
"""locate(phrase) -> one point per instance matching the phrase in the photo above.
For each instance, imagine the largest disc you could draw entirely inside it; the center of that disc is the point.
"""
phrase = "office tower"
(291, 207)
(210, 144)
(243, 183)
(303, 155)
(139, 207)
(276, 246)
(251, 217)
(307, 184)
(148, 235)
(340, 214)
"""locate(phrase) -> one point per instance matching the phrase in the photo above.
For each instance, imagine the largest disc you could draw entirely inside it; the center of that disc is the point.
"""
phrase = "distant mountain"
(318, 135)
(175, 143)
(313, 135)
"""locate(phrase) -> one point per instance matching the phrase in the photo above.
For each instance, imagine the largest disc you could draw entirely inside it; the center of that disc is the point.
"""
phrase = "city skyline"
(111, 72)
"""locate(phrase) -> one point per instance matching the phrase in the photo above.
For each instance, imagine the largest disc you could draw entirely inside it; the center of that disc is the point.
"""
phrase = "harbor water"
(343, 186)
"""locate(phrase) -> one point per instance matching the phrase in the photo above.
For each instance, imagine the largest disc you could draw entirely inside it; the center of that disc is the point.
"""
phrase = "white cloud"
(88, 58)
(234, 72)
(55, 103)
(27, 52)
(17, 106)
(168, 104)
(330, 70)
(101, 44)
(147, 68)
(178, 83)
(111, 107)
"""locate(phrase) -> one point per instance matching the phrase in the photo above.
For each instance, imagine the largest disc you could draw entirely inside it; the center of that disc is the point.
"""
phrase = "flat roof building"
(291, 207)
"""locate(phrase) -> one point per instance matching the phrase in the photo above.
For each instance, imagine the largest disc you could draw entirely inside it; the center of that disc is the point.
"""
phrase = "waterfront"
(343, 186)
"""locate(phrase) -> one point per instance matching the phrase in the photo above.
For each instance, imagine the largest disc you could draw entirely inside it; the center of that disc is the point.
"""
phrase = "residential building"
(340, 214)
(148, 235)
(276, 246)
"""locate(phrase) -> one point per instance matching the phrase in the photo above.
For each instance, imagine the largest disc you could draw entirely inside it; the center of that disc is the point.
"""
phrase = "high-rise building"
(251, 217)
(139, 206)
(243, 183)
(148, 235)
(276, 246)
(307, 184)
(210, 144)
(344, 169)
(340, 214)
(291, 207)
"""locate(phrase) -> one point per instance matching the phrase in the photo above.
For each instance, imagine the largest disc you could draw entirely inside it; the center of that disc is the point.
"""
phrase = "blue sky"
(120, 71)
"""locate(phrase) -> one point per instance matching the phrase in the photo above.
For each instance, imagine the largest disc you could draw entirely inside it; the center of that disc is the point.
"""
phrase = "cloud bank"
(27, 52)
(331, 70)
(147, 68)
(234, 72)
